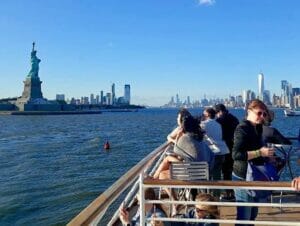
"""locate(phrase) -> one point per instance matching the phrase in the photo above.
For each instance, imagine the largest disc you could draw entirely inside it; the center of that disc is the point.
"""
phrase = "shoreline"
(48, 112)
(65, 112)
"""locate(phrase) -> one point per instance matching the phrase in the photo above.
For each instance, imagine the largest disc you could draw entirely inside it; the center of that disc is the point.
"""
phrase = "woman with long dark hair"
(188, 147)
(182, 113)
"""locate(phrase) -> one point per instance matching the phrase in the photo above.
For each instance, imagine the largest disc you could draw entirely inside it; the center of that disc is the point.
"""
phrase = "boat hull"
(291, 113)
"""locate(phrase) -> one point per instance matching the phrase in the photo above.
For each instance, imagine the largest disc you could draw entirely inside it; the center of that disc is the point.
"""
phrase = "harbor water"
(51, 167)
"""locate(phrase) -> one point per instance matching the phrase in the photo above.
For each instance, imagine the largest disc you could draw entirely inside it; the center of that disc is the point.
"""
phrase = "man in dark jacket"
(228, 123)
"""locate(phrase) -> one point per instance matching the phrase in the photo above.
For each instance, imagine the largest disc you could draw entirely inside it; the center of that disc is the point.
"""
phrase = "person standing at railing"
(228, 123)
(213, 135)
(248, 145)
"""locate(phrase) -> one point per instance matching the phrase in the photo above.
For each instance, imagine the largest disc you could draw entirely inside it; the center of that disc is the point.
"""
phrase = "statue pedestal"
(32, 88)
(32, 93)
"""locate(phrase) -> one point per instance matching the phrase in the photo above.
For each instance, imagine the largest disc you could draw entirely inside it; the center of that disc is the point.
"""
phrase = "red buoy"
(106, 145)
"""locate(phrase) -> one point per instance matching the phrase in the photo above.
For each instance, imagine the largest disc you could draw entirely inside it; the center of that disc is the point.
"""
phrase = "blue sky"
(160, 47)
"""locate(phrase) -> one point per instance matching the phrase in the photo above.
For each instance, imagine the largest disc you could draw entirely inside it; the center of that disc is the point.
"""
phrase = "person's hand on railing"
(157, 223)
(296, 183)
(124, 215)
(153, 221)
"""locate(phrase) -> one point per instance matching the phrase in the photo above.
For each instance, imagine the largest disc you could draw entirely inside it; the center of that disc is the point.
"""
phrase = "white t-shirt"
(213, 130)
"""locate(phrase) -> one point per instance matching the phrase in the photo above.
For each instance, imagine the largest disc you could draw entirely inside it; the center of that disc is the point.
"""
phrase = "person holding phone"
(152, 210)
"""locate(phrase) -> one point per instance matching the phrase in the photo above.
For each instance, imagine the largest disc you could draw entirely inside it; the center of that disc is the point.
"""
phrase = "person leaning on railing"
(247, 146)
(183, 112)
(213, 132)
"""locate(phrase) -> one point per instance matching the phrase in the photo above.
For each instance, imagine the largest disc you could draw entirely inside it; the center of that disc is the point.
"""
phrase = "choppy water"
(51, 167)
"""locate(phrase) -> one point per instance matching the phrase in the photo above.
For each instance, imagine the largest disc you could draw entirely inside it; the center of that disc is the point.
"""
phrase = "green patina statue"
(34, 72)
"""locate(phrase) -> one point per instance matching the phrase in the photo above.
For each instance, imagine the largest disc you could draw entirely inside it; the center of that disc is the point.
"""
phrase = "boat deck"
(267, 213)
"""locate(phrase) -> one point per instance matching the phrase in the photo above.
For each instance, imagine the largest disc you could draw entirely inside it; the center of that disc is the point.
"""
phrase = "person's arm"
(172, 136)
(124, 216)
(262, 152)
(240, 152)
(296, 183)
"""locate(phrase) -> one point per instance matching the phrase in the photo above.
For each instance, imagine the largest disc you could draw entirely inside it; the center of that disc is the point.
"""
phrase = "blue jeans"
(244, 212)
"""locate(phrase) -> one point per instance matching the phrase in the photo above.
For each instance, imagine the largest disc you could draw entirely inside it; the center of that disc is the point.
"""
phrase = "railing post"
(142, 200)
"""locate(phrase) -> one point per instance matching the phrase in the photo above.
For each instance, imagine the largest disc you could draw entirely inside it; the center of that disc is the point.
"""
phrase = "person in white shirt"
(213, 137)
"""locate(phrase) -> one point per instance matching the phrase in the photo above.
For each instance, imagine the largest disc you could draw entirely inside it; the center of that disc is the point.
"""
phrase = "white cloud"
(206, 2)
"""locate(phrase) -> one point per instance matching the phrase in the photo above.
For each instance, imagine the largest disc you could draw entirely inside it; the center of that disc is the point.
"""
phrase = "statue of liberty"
(34, 72)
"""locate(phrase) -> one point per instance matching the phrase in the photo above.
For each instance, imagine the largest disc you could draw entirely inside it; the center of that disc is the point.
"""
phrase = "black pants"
(227, 167)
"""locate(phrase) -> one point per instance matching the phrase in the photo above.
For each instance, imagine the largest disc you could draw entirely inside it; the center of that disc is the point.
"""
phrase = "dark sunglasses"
(199, 210)
(260, 113)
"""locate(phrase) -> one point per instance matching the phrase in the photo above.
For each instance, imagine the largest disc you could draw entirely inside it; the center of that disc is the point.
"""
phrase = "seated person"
(202, 211)
(174, 134)
(271, 134)
(152, 210)
(188, 147)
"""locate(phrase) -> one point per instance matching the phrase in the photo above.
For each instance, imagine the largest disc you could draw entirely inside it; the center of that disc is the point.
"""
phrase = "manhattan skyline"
(193, 48)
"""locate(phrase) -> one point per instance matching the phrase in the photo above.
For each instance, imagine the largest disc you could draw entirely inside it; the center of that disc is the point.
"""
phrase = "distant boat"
(291, 112)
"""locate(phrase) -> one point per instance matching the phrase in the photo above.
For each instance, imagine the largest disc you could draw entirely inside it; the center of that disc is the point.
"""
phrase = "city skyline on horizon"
(187, 48)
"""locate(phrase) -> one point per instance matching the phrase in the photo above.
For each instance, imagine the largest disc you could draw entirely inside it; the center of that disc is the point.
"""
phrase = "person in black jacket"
(228, 123)
(248, 145)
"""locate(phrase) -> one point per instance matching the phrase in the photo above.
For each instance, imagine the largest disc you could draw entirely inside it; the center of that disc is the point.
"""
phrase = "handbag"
(265, 172)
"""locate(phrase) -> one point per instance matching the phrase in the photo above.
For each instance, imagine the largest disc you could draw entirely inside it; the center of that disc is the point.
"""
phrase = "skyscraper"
(108, 99)
(286, 94)
(101, 97)
(261, 86)
(127, 93)
(113, 93)
(92, 99)
(248, 95)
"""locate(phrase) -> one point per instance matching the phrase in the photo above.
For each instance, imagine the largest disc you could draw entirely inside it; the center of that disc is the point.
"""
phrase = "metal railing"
(247, 185)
